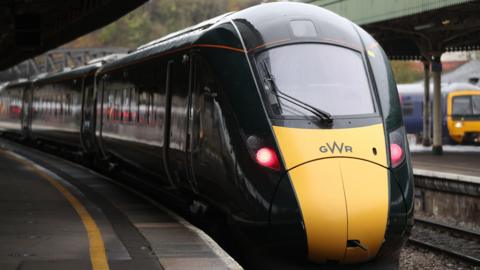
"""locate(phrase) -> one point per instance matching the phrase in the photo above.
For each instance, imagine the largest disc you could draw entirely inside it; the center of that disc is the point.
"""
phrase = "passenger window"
(157, 107)
(109, 105)
(118, 105)
(126, 106)
(407, 108)
(134, 105)
(151, 117)
(143, 106)
(69, 104)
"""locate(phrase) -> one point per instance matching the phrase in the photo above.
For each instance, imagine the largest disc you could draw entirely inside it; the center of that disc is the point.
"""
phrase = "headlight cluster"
(397, 146)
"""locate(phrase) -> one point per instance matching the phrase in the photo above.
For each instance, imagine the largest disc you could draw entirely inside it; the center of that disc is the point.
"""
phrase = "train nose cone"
(344, 204)
(341, 184)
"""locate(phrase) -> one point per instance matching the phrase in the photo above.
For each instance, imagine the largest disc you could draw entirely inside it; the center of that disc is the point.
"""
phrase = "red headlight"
(396, 154)
(267, 157)
(397, 147)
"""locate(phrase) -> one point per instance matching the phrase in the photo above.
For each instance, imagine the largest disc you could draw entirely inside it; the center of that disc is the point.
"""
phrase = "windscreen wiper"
(323, 115)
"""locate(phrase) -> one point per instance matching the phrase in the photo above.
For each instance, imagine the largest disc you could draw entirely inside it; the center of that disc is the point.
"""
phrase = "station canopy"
(31, 27)
(410, 29)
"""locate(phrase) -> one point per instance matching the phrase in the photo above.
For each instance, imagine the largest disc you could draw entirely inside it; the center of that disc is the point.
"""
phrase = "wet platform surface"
(462, 161)
(58, 215)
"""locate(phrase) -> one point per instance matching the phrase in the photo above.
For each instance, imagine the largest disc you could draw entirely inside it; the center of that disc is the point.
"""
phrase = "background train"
(232, 116)
(460, 105)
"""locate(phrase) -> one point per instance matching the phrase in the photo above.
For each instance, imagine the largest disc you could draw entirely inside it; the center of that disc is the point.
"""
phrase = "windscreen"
(330, 78)
(466, 105)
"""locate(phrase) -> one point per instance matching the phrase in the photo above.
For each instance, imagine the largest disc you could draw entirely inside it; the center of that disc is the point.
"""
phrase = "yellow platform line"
(98, 257)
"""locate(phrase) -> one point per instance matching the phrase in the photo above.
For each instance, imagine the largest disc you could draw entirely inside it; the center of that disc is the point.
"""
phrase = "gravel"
(413, 257)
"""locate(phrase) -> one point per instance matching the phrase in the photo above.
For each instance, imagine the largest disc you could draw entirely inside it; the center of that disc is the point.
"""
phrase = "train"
(460, 110)
(283, 117)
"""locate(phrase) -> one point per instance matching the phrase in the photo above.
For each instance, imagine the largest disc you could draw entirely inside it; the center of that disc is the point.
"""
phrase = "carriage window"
(110, 104)
(157, 108)
(476, 104)
(462, 105)
(466, 105)
(330, 78)
(407, 108)
(69, 102)
(134, 105)
(126, 105)
(143, 106)
(118, 105)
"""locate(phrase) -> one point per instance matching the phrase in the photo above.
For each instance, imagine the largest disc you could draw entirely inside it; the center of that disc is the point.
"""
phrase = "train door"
(167, 126)
(102, 111)
(202, 132)
(176, 131)
(27, 111)
(192, 121)
(200, 85)
(87, 129)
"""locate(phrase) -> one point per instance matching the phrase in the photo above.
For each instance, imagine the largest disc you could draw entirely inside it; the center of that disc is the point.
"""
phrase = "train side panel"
(412, 109)
(131, 112)
(56, 112)
(205, 100)
(11, 108)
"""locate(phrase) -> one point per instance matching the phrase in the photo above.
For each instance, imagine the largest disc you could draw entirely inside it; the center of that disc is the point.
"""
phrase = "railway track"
(453, 241)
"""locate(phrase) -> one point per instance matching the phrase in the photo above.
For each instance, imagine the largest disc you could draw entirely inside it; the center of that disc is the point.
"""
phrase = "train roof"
(107, 58)
(260, 26)
(195, 28)
(16, 83)
(417, 88)
(175, 40)
(68, 74)
(278, 23)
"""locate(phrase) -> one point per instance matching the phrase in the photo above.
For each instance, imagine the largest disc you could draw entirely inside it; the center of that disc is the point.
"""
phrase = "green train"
(283, 117)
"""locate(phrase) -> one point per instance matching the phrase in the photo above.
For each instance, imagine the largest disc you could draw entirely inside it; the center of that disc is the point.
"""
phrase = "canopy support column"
(426, 104)
(437, 109)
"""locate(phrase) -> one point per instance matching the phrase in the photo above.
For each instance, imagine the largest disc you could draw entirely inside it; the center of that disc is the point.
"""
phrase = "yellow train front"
(337, 134)
(463, 116)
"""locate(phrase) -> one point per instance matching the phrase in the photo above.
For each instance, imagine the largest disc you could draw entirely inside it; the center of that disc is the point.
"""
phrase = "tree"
(156, 19)
(406, 71)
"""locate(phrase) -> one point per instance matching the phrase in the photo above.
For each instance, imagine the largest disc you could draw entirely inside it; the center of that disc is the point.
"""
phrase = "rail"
(452, 241)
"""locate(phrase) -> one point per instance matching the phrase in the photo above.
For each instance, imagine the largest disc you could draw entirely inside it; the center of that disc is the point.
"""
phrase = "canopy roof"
(29, 28)
(411, 29)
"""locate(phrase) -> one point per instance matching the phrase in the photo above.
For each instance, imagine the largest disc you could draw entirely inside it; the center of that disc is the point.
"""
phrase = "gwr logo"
(335, 147)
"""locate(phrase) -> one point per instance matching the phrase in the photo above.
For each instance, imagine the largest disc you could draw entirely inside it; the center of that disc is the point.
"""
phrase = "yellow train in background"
(460, 110)
(463, 116)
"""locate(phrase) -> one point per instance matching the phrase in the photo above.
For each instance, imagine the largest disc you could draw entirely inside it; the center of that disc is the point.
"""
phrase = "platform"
(68, 217)
(457, 163)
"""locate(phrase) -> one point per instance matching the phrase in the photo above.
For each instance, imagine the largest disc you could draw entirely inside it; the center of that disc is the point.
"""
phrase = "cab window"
(328, 77)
